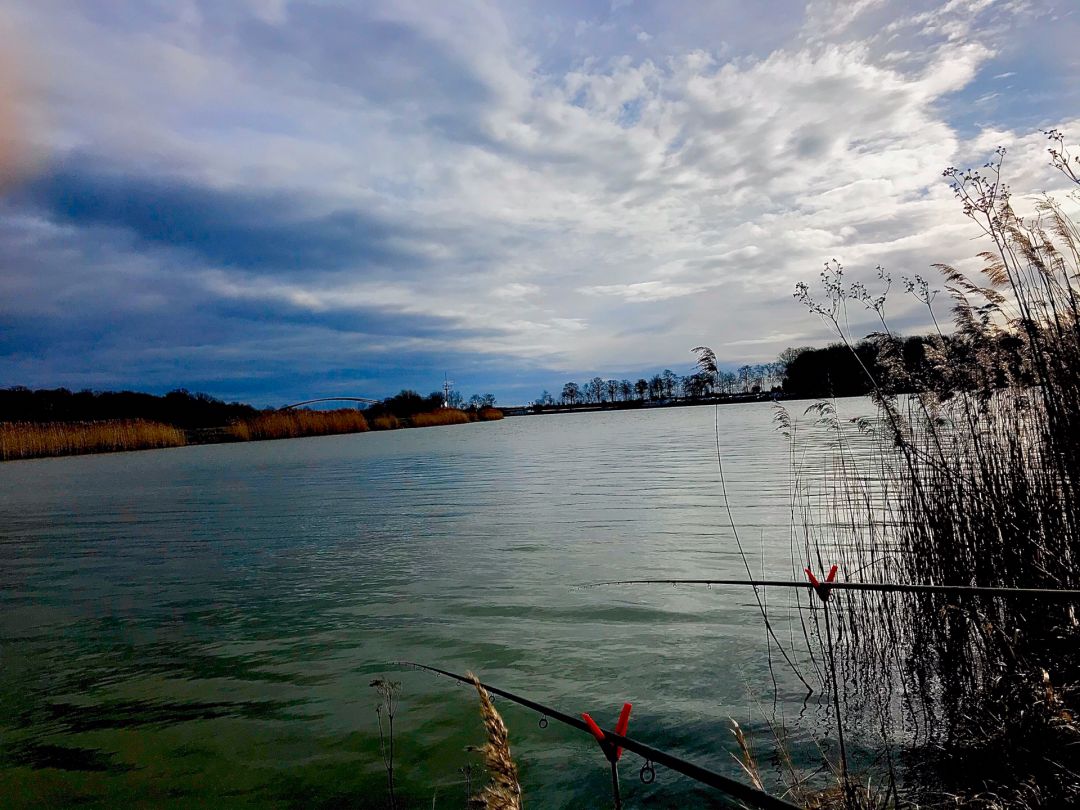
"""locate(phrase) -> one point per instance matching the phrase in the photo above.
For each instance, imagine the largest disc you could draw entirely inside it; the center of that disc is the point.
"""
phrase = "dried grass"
(294, 424)
(443, 416)
(40, 439)
(386, 422)
(746, 759)
(503, 792)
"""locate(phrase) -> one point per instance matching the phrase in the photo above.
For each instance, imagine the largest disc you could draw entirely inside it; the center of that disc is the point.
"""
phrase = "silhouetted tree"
(612, 390)
(180, 407)
(670, 382)
(656, 387)
(594, 390)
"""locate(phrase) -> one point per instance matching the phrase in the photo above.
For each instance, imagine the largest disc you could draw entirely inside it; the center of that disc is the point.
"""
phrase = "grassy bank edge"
(29, 440)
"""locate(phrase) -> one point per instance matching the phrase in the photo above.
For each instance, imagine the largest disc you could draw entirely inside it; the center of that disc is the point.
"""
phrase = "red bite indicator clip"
(822, 589)
(612, 752)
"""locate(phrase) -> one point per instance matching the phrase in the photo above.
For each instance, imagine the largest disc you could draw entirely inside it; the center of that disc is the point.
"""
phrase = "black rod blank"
(731, 787)
(1054, 594)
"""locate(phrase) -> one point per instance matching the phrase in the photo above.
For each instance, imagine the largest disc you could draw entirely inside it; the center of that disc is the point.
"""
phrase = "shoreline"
(29, 441)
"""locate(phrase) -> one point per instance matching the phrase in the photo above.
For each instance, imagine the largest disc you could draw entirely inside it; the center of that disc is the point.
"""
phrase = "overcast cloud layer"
(269, 199)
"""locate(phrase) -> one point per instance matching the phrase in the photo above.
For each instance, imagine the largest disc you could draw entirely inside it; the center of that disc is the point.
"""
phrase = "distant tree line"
(903, 365)
(409, 403)
(667, 386)
(184, 409)
(895, 364)
(179, 408)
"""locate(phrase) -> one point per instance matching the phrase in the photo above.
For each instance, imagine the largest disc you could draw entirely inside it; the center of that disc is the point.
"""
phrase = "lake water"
(199, 626)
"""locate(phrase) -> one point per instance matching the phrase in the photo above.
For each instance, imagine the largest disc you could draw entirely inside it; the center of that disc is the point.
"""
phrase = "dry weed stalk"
(503, 792)
(387, 707)
(747, 762)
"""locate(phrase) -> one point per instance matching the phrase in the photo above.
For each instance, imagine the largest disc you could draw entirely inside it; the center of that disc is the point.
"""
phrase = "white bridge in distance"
(330, 399)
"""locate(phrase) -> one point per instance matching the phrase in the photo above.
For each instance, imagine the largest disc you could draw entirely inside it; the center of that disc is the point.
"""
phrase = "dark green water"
(199, 626)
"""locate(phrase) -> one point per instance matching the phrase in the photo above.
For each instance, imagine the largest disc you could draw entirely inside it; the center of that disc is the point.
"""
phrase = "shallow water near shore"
(199, 626)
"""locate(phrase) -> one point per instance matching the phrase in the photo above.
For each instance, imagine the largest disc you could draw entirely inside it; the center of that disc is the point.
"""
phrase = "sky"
(270, 200)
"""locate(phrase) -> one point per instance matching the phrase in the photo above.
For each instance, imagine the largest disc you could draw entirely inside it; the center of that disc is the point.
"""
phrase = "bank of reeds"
(41, 439)
(293, 424)
(386, 422)
(443, 416)
(972, 481)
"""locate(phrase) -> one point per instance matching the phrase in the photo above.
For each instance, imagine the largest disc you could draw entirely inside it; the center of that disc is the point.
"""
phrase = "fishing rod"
(1062, 594)
(613, 740)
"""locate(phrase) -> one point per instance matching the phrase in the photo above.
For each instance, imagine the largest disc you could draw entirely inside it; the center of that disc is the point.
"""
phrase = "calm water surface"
(199, 626)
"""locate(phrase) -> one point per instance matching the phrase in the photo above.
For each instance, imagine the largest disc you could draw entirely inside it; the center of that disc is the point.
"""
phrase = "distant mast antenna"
(446, 387)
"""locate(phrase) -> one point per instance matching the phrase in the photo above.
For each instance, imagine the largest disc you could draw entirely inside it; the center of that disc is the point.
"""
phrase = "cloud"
(232, 227)
(270, 194)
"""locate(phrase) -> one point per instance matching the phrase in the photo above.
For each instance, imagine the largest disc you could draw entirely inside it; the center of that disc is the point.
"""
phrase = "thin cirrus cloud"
(271, 199)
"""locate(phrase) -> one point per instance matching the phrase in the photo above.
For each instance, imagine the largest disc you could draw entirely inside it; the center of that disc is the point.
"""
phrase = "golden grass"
(746, 761)
(503, 792)
(36, 440)
(443, 416)
(386, 422)
(294, 424)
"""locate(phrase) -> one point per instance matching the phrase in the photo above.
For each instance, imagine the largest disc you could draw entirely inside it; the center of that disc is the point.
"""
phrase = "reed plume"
(746, 759)
(503, 792)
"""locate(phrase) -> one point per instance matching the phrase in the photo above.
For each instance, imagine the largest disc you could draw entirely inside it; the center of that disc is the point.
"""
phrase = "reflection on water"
(200, 625)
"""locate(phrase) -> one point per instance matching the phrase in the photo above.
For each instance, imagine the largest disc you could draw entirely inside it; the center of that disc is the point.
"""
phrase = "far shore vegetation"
(906, 364)
(58, 422)
(35, 440)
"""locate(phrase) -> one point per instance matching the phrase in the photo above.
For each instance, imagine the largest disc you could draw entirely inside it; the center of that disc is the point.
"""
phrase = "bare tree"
(612, 390)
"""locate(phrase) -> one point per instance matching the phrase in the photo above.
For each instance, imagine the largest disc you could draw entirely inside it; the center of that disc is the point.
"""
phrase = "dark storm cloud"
(243, 228)
(361, 321)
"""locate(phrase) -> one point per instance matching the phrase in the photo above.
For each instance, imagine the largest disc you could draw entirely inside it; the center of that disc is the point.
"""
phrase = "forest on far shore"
(895, 364)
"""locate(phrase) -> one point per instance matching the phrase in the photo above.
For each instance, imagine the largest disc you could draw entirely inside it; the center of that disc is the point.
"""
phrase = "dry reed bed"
(37, 440)
(298, 423)
(295, 424)
(445, 416)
